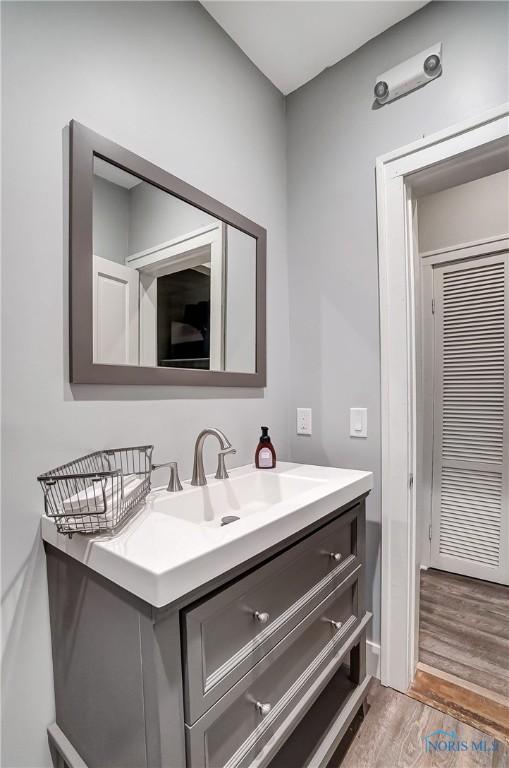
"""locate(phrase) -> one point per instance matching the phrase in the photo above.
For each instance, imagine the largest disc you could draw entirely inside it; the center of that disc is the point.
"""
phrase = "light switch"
(358, 422)
(303, 421)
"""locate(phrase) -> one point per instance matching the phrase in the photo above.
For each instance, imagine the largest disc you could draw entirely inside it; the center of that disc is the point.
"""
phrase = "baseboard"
(373, 659)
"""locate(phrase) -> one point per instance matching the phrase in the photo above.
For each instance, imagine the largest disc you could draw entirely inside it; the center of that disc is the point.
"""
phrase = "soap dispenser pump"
(265, 457)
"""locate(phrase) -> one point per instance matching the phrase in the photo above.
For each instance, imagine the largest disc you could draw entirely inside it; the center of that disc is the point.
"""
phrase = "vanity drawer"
(227, 634)
(234, 731)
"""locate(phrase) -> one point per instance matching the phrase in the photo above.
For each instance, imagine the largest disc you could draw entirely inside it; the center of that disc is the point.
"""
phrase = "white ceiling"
(292, 41)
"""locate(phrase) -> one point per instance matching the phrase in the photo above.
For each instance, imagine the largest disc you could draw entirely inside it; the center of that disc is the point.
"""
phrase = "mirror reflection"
(173, 286)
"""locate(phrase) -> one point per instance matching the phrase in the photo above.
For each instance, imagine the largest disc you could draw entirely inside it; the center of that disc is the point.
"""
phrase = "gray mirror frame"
(84, 145)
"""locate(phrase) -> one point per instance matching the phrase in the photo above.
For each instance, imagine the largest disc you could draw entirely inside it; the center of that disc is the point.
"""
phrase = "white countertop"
(161, 557)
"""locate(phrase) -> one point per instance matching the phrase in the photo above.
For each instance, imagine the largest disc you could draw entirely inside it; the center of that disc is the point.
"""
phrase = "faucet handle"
(174, 483)
(221, 471)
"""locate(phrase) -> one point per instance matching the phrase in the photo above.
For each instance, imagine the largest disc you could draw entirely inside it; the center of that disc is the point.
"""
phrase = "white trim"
(467, 250)
(184, 252)
(398, 378)
(426, 361)
(458, 129)
(141, 259)
(373, 659)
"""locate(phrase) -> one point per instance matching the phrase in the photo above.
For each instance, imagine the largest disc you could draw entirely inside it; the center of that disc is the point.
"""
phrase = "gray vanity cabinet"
(116, 670)
(227, 634)
(235, 730)
(224, 676)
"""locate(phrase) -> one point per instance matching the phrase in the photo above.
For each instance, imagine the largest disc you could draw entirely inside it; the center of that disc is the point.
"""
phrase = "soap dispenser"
(265, 457)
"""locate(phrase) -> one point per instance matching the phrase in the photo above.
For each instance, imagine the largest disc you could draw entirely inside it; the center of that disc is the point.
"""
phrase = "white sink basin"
(177, 543)
(239, 496)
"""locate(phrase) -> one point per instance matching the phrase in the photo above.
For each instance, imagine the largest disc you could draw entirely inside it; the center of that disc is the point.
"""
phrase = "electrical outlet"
(304, 421)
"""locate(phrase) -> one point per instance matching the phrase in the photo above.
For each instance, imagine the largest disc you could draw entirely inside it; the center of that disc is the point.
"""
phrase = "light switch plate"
(358, 422)
(304, 421)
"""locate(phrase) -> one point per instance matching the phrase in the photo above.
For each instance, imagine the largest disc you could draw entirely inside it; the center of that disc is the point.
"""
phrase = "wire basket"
(99, 491)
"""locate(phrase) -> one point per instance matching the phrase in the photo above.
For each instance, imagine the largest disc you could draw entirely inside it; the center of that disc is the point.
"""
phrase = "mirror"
(167, 284)
(173, 286)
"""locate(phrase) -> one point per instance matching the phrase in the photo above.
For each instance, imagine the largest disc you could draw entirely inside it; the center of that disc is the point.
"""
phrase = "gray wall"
(155, 217)
(464, 214)
(142, 74)
(334, 137)
(240, 345)
(110, 220)
(127, 221)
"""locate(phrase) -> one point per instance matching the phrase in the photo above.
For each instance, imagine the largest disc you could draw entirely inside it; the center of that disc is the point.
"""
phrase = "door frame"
(183, 252)
(398, 175)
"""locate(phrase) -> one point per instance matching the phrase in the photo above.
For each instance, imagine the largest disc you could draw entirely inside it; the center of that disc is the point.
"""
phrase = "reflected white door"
(116, 323)
(205, 246)
(470, 501)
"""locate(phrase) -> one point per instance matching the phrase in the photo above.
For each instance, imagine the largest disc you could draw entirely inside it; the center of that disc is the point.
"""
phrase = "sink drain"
(229, 519)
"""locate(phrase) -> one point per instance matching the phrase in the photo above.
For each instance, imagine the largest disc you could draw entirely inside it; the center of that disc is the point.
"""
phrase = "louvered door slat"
(470, 459)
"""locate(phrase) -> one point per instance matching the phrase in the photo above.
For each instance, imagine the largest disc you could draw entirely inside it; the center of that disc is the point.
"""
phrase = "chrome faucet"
(226, 447)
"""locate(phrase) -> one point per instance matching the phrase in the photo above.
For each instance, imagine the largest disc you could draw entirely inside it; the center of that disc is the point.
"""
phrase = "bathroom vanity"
(227, 612)
(180, 641)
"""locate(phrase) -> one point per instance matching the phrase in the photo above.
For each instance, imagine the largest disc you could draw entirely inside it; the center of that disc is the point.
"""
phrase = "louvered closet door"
(470, 504)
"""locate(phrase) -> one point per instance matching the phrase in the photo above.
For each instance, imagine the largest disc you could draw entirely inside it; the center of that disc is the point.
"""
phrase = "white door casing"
(115, 307)
(470, 504)
(191, 250)
(395, 174)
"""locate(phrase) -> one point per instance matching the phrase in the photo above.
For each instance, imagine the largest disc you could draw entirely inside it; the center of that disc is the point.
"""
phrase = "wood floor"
(392, 735)
(464, 628)
(476, 706)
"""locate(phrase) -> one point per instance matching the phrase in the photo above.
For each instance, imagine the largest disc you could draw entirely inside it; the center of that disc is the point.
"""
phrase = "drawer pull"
(335, 556)
(261, 617)
(263, 709)
(335, 624)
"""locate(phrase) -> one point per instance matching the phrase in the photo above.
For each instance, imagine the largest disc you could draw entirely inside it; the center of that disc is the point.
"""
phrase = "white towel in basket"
(91, 499)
